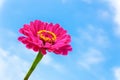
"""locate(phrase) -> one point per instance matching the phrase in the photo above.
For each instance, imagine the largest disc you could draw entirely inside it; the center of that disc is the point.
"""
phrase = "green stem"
(34, 64)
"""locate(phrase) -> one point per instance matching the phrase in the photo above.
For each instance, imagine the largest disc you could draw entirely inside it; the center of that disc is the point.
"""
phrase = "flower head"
(42, 36)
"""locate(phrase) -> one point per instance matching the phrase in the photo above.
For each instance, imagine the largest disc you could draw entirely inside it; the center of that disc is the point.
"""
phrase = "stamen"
(50, 38)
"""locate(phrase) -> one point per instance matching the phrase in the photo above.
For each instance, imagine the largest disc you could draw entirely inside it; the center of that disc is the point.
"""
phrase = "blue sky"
(94, 26)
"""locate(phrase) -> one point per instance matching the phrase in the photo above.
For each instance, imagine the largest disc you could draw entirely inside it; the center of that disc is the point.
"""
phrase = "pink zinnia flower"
(42, 36)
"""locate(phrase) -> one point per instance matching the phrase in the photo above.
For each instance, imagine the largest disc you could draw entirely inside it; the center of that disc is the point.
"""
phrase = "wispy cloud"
(87, 1)
(115, 5)
(8, 35)
(64, 1)
(103, 14)
(48, 60)
(12, 61)
(1, 4)
(12, 67)
(116, 72)
(90, 58)
(93, 35)
(92, 40)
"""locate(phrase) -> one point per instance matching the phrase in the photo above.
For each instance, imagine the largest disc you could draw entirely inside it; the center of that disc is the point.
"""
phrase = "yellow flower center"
(47, 36)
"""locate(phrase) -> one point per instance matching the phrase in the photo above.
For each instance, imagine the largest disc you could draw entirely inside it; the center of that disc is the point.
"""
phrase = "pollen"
(47, 36)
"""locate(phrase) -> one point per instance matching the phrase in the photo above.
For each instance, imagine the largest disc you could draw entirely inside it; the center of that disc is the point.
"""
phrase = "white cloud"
(115, 5)
(87, 1)
(93, 35)
(117, 73)
(104, 15)
(1, 3)
(90, 58)
(11, 66)
(48, 60)
(64, 1)
(8, 35)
